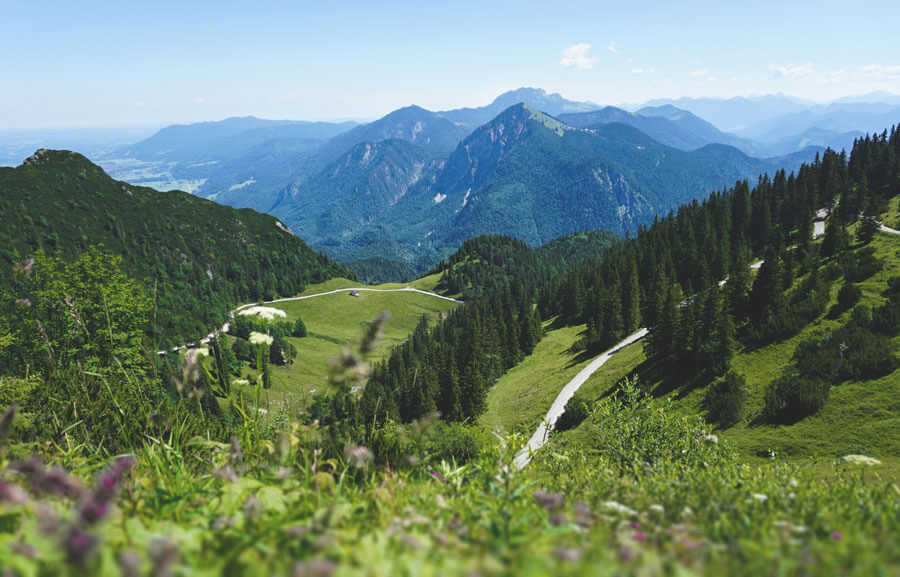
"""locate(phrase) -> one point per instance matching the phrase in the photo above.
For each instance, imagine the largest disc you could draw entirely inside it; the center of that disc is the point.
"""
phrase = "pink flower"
(640, 536)
(836, 535)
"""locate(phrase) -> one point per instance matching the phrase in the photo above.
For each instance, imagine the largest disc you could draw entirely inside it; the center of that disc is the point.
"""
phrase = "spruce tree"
(836, 240)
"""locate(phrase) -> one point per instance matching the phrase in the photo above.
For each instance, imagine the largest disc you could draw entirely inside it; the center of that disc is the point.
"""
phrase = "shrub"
(631, 430)
(886, 318)
(299, 329)
(848, 296)
(243, 351)
(450, 442)
(726, 398)
(894, 285)
(860, 265)
(575, 412)
(792, 397)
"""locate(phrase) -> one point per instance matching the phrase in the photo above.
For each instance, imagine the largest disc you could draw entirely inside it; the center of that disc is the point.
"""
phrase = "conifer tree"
(836, 240)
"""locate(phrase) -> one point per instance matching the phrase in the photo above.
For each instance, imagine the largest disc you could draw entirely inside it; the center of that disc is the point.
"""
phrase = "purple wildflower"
(163, 554)
(11, 493)
(96, 505)
(568, 555)
(836, 535)
(626, 554)
(79, 546)
(226, 473)
(314, 568)
(640, 536)
(20, 548)
(253, 507)
(550, 501)
(438, 476)
(584, 516)
(130, 564)
(45, 481)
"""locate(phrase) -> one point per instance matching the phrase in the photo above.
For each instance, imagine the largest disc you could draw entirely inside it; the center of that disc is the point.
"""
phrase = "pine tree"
(725, 343)
(869, 224)
(766, 289)
(631, 305)
(836, 240)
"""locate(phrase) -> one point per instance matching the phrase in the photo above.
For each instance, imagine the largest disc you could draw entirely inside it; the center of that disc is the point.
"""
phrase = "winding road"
(224, 328)
(541, 435)
(558, 407)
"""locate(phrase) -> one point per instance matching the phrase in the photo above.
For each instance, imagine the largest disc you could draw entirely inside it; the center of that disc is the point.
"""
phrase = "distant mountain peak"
(537, 98)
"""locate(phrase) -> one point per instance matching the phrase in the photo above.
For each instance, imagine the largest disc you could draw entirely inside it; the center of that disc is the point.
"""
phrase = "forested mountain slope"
(196, 257)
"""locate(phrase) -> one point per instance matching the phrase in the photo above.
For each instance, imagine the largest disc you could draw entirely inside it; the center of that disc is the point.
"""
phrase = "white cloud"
(793, 71)
(643, 71)
(880, 71)
(612, 47)
(807, 74)
(199, 100)
(831, 77)
(578, 55)
(700, 72)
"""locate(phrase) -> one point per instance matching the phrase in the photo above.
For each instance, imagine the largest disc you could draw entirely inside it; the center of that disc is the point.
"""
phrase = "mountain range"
(413, 185)
(524, 174)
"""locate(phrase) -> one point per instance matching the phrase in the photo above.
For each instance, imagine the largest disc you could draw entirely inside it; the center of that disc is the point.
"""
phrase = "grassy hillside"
(516, 402)
(860, 417)
(337, 320)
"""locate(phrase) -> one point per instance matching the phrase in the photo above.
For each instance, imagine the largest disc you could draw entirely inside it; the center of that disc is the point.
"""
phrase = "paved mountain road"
(224, 328)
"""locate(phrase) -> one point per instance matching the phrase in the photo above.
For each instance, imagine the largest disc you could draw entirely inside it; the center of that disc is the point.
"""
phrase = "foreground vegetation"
(664, 497)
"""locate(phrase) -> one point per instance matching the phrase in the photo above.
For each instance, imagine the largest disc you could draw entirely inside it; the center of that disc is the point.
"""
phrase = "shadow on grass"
(661, 379)
(592, 351)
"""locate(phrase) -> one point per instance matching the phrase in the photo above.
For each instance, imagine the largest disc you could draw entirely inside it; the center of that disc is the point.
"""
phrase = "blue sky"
(105, 63)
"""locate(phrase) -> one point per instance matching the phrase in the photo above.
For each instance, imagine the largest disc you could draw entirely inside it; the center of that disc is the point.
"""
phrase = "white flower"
(860, 460)
(658, 509)
(711, 439)
(620, 508)
(358, 456)
(260, 339)
(268, 313)
(760, 497)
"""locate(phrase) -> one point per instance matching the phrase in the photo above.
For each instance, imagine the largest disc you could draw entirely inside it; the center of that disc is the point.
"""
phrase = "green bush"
(574, 414)
(299, 329)
(848, 296)
(448, 441)
(860, 265)
(726, 398)
(792, 397)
